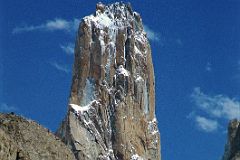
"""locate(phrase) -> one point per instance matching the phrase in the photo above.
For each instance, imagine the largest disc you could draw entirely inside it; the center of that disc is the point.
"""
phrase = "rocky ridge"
(111, 111)
(22, 139)
(232, 148)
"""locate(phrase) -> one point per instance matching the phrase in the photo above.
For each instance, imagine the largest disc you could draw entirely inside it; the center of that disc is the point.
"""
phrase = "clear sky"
(196, 55)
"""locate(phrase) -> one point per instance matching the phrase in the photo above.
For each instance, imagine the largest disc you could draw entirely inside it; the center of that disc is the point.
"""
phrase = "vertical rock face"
(232, 149)
(111, 112)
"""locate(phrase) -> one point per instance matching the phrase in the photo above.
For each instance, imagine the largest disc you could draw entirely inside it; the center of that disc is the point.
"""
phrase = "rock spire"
(111, 111)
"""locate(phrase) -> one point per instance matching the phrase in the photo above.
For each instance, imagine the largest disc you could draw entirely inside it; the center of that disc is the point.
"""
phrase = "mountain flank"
(22, 139)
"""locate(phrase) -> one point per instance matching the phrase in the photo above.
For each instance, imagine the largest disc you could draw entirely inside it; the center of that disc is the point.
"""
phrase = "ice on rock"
(137, 51)
(79, 109)
(154, 120)
(101, 20)
(101, 40)
(152, 127)
(122, 71)
(88, 92)
(139, 79)
(104, 20)
(146, 99)
(136, 157)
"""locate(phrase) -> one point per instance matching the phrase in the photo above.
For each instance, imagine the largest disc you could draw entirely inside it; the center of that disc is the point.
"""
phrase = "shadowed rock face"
(111, 112)
(22, 139)
(232, 149)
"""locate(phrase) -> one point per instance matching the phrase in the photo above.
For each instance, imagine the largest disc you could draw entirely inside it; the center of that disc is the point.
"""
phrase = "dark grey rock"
(232, 148)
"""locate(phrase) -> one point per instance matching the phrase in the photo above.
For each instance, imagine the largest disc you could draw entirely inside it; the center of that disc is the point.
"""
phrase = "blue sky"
(196, 55)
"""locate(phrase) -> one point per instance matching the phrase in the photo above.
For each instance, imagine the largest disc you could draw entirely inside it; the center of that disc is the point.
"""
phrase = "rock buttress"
(111, 112)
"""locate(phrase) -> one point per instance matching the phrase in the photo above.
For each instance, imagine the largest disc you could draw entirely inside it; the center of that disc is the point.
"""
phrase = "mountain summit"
(111, 110)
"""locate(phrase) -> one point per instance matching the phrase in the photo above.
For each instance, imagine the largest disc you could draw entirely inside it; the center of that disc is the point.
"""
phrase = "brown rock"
(111, 113)
(22, 139)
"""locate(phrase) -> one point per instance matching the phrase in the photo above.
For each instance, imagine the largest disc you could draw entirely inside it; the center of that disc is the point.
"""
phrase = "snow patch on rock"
(80, 109)
(122, 71)
(136, 157)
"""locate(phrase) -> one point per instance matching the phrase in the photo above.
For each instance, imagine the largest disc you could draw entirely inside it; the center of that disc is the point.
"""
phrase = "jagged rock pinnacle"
(111, 112)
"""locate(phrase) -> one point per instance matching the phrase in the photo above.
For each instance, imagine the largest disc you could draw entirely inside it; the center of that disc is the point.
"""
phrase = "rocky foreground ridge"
(232, 148)
(111, 111)
(22, 139)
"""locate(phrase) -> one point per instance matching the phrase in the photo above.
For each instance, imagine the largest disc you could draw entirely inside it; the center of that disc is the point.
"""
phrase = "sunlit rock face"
(111, 112)
(232, 149)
